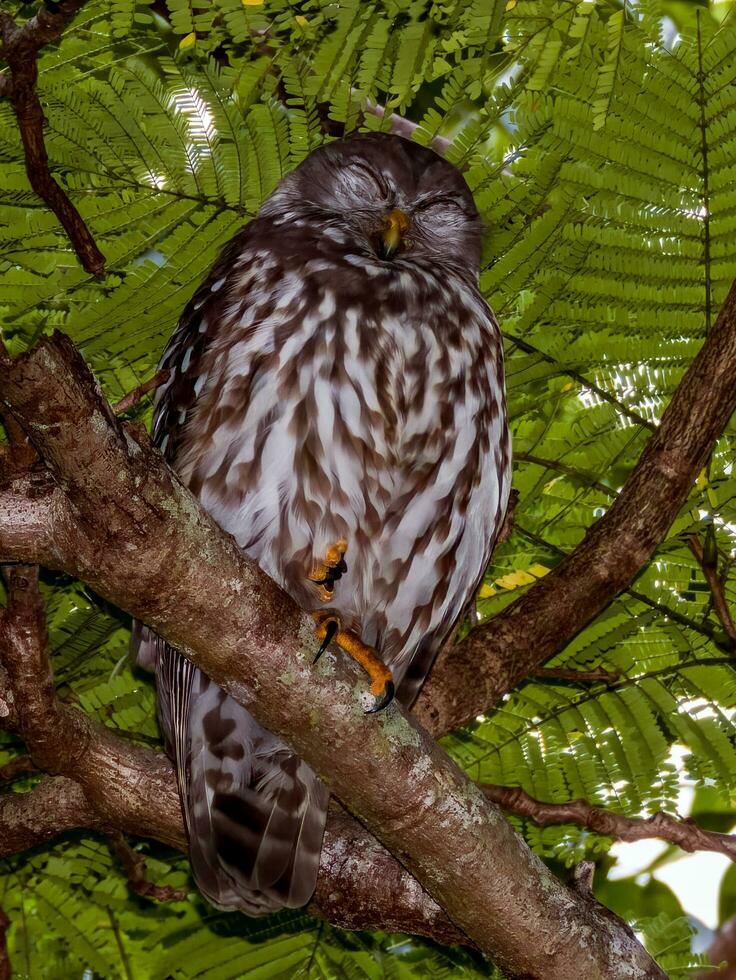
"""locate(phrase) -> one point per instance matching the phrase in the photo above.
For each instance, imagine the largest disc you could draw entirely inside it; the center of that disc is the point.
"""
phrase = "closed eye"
(371, 180)
(437, 202)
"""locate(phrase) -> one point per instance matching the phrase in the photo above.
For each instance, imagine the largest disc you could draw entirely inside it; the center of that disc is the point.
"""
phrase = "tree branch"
(113, 786)
(684, 833)
(31, 511)
(134, 865)
(401, 126)
(141, 541)
(471, 676)
(53, 807)
(133, 397)
(20, 766)
(19, 50)
(587, 676)
(360, 884)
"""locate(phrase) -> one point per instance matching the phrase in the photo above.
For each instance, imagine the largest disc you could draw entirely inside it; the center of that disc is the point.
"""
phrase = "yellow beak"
(395, 226)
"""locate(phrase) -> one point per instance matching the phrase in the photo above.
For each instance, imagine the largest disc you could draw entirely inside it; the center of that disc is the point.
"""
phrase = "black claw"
(330, 633)
(384, 701)
(332, 576)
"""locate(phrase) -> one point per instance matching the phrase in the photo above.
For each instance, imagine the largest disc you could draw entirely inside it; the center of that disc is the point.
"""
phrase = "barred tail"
(255, 813)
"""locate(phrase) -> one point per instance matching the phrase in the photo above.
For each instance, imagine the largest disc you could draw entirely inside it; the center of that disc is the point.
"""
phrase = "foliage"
(599, 140)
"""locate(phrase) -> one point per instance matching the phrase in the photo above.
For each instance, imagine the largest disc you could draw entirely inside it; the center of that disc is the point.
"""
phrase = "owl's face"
(395, 200)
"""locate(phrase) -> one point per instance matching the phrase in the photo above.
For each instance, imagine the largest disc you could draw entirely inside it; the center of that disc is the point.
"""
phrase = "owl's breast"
(330, 400)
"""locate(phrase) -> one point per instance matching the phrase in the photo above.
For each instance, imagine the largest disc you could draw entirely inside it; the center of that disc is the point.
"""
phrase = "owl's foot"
(327, 572)
(329, 630)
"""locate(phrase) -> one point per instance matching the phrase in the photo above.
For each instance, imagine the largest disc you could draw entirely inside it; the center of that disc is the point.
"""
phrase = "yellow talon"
(329, 630)
(336, 553)
(326, 573)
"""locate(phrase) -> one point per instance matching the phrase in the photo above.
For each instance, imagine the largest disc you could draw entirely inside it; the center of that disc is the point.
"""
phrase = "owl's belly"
(330, 469)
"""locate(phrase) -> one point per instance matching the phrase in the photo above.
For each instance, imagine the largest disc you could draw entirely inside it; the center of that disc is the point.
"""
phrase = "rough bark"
(381, 895)
(134, 534)
(56, 805)
(473, 675)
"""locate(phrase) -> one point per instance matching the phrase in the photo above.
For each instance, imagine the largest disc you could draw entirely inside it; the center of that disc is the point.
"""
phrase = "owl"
(335, 400)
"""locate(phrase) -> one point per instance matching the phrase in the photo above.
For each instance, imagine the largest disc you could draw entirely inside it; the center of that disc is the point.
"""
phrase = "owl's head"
(394, 199)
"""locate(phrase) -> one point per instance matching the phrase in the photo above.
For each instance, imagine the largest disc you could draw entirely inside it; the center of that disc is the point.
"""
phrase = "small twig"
(37, 715)
(19, 50)
(553, 464)
(134, 865)
(134, 396)
(16, 767)
(710, 571)
(401, 126)
(565, 674)
(5, 971)
(682, 832)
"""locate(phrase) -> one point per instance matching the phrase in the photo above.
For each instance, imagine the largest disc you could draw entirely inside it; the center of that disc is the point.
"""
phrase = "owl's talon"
(384, 700)
(325, 590)
(334, 566)
(329, 629)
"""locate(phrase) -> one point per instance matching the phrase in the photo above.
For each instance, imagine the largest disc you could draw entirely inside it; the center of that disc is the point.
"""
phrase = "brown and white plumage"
(319, 392)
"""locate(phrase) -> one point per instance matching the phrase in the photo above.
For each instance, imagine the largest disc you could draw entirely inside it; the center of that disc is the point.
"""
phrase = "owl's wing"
(186, 348)
(254, 812)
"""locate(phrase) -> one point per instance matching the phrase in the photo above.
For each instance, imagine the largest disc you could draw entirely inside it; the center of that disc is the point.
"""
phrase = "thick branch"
(493, 659)
(684, 833)
(360, 883)
(146, 545)
(52, 808)
(19, 50)
(31, 508)
(101, 796)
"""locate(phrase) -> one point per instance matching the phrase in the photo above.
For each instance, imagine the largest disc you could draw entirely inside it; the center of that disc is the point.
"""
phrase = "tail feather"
(255, 813)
